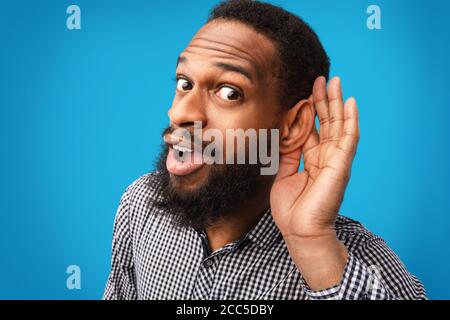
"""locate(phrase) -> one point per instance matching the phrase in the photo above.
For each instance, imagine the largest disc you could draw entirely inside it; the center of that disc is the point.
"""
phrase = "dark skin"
(225, 79)
(203, 63)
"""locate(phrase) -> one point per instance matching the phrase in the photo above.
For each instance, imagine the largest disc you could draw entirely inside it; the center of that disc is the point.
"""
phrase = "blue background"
(81, 113)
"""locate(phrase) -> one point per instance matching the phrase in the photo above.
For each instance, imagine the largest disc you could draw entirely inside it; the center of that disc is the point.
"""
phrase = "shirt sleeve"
(372, 272)
(121, 284)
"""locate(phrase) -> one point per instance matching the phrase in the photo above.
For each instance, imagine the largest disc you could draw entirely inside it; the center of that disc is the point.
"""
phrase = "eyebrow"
(234, 68)
(225, 66)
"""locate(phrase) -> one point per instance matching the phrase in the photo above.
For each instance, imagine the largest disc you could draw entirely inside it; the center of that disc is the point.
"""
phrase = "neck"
(239, 221)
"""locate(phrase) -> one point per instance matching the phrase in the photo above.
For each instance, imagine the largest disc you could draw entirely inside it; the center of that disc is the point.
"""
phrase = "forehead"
(233, 41)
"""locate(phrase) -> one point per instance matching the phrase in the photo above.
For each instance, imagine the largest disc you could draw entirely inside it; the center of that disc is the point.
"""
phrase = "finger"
(312, 141)
(289, 164)
(321, 104)
(350, 137)
(309, 155)
(336, 109)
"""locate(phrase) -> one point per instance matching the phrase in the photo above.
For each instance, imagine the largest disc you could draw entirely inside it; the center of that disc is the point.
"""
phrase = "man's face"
(226, 80)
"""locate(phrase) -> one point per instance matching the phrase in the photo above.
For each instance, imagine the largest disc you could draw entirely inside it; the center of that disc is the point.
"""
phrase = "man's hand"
(306, 204)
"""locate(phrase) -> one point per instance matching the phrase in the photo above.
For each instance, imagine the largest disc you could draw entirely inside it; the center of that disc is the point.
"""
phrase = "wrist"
(320, 260)
(315, 246)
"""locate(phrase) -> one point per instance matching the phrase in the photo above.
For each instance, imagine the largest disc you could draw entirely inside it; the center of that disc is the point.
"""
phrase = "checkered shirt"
(153, 259)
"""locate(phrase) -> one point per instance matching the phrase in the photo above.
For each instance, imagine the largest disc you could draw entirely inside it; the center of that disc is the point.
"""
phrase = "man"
(215, 230)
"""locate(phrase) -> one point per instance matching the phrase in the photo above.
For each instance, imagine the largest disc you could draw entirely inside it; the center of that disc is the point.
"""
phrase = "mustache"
(193, 139)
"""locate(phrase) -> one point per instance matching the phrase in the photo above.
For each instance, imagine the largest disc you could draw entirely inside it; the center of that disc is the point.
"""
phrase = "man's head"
(251, 66)
(300, 57)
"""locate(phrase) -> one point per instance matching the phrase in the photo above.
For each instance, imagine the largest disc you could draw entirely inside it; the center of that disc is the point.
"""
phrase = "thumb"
(289, 164)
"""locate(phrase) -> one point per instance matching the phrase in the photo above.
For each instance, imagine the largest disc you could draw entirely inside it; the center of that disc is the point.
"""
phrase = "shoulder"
(354, 234)
(372, 251)
(143, 190)
(140, 199)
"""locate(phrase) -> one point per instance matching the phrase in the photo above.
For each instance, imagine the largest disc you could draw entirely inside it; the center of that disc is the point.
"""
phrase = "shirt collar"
(265, 231)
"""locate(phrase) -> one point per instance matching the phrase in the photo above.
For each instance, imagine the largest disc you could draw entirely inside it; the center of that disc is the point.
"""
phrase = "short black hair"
(301, 56)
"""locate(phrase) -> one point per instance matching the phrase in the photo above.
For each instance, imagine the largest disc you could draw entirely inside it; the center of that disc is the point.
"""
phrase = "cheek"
(240, 117)
(230, 122)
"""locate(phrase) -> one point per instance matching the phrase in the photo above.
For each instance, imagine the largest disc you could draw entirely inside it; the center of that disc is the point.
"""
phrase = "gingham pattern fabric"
(153, 259)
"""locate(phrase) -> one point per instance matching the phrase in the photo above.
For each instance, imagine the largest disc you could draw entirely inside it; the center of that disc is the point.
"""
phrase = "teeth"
(182, 149)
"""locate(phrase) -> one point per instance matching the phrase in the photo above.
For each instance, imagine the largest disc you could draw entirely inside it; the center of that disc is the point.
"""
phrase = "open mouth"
(183, 158)
(182, 153)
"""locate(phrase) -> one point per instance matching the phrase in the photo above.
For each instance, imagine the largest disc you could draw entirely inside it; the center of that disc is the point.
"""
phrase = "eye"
(228, 93)
(183, 84)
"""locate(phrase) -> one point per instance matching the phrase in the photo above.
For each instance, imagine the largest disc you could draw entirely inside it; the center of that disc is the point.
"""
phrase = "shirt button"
(209, 263)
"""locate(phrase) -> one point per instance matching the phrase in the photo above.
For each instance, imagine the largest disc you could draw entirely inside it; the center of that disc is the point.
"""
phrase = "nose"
(187, 109)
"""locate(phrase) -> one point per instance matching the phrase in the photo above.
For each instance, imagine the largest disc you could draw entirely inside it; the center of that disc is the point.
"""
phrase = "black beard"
(226, 187)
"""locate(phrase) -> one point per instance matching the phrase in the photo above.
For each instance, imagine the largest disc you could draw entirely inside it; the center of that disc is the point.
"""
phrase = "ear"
(296, 126)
